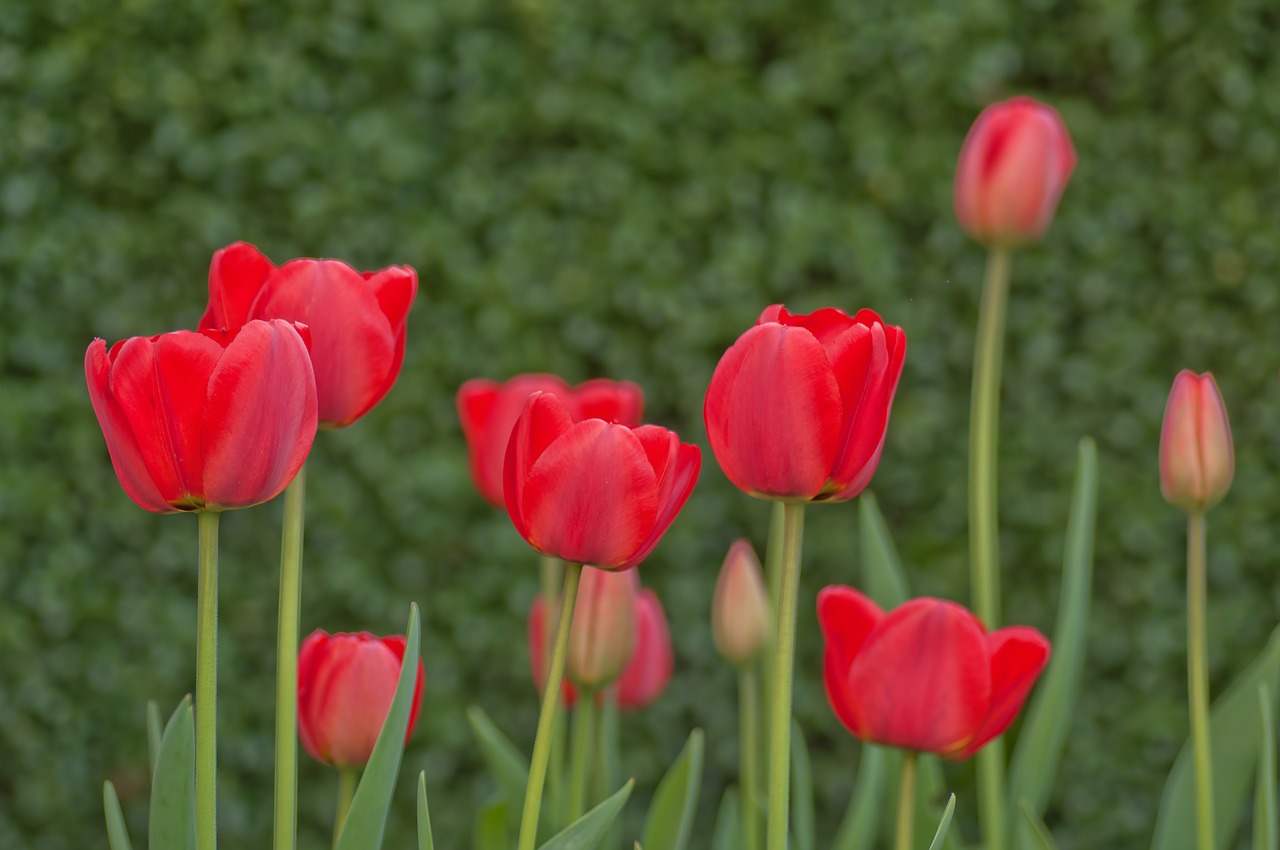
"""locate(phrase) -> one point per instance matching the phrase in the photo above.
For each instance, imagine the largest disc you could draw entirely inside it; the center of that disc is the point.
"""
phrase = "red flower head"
(652, 660)
(488, 411)
(594, 492)
(346, 683)
(205, 421)
(1013, 167)
(1197, 460)
(798, 406)
(926, 676)
(357, 319)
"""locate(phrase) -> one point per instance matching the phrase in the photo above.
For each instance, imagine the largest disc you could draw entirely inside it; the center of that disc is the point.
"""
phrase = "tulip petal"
(396, 643)
(395, 288)
(236, 276)
(543, 420)
(867, 424)
(354, 697)
(309, 658)
(653, 660)
(1018, 655)
(613, 401)
(673, 491)
(846, 617)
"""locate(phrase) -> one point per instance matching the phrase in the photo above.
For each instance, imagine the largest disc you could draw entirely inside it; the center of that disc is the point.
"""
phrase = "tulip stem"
(783, 658)
(906, 801)
(607, 767)
(1198, 678)
(207, 684)
(549, 587)
(584, 721)
(984, 528)
(550, 698)
(749, 754)
(347, 781)
(773, 576)
(286, 815)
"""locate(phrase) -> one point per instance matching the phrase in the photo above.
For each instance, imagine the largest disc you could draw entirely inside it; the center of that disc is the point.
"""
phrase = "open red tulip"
(205, 421)
(798, 407)
(652, 660)
(925, 676)
(357, 319)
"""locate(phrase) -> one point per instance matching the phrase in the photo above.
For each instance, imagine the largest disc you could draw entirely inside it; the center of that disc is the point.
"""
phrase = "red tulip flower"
(346, 683)
(1197, 460)
(488, 410)
(205, 421)
(1013, 167)
(798, 407)
(925, 676)
(652, 660)
(593, 492)
(357, 319)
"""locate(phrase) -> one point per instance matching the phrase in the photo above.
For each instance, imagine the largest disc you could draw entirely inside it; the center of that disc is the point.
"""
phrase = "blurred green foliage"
(617, 188)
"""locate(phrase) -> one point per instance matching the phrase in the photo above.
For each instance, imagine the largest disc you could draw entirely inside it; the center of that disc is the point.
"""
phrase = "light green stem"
(347, 780)
(207, 685)
(286, 816)
(552, 569)
(783, 658)
(773, 575)
(584, 721)
(749, 754)
(984, 529)
(906, 801)
(605, 780)
(1198, 679)
(550, 697)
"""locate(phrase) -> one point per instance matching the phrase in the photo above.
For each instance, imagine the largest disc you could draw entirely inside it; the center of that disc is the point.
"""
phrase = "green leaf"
(586, 832)
(728, 823)
(676, 801)
(153, 735)
(366, 819)
(1035, 835)
(881, 568)
(801, 791)
(425, 841)
(173, 789)
(1044, 734)
(1264, 799)
(940, 837)
(1236, 732)
(862, 819)
(509, 769)
(117, 833)
(490, 829)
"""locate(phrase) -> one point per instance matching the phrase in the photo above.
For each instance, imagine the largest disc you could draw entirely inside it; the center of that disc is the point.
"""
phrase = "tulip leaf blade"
(1044, 733)
(509, 769)
(726, 835)
(1235, 729)
(366, 819)
(944, 825)
(117, 832)
(801, 791)
(425, 841)
(1265, 831)
(670, 819)
(881, 567)
(489, 832)
(1034, 834)
(154, 734)
(172, 823)
(861, 821)
(587, 831)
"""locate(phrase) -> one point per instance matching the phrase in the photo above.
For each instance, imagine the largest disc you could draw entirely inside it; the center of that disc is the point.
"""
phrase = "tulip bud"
(604, 627)
(1197, 461)
(740, 609)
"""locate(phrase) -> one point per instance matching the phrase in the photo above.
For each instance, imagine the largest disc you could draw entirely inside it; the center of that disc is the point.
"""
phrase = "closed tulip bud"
(604, 628)
(1013, 167)
(740, 609)
(1197, 461)
(653, 658)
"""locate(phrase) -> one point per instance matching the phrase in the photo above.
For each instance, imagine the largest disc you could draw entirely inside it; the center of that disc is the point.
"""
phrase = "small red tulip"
(357, 319)
(740, 621)
(798, 407)
(925, 676)
(488, 410)
(1197, 459)
(346, 683)
(205, 421)
(1013, 167)
(593, 492)
(653, 658)
(603, 633)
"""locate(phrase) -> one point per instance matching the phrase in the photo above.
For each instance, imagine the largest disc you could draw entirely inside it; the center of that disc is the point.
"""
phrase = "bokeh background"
(617, 189)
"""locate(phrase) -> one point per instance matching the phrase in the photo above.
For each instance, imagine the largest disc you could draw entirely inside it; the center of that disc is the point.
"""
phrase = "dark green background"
(617, 188)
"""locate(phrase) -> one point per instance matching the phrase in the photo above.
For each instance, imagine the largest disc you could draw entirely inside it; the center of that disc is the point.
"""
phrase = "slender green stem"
(584, 721)
(605, 780)
(984, 529)
(207, 685)
(906, 801)
(1198, 679)
(749, 755)
(773, 576)
(286, 816)
(550, 697)
(783, 657)
(552, 569)
(347, 780)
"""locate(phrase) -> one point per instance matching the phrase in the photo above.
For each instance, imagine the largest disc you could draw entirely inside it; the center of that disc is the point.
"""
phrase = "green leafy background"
(617, 189)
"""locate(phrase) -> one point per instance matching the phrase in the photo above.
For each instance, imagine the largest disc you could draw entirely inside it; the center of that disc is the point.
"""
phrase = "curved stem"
(550, 572)
(347, 781)
(1198, 679)
(584, 720)
(550, 697)
(207, 684)
(906, 801)
(286, 815)
(783, 658)
(749, 755)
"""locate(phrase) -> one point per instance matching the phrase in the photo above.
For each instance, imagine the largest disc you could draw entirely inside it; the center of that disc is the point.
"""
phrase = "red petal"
(236, 276)
(1018, 655)
(310, 656)
(867, 427)
(354, 697)
(613, 401)
(673, 491)
(846, 617)
(543, 420)
(488, 411)
(395, 289)
(653, 660)
(397, 643)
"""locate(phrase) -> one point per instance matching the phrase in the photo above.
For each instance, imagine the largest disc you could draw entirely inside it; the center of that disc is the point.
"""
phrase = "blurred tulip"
(740, 621)
(357, 319)
(652, 660)
(798, 407)
(1197, 460)
(488, 410)
(346, 683)
(926, 676)
(538, 650)
(593, 492)
(205, 421)
(603, 633)
(1013, 167)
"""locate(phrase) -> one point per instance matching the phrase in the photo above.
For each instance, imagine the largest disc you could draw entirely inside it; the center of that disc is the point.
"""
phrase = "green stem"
(1198, 678)
(584, 720)
(549, 587)
(906, 801)
(783, 658)
(550, 697)
(749, 755)
(286, 816)
(347, 781)
(605, 780)
(773, 576)
(984, 529)
(207, 685)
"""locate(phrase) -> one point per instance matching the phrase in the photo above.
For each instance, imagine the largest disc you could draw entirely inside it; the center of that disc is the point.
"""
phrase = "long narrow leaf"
(489, 832)
(366, 819)
(117, 833)
(1035, 835)
(862, 819)
(425, 841)
(801, 791)
(1264, 792)
(882, 572)
(173, 791)
(154, 733)
(728, 823)
(676, 801)
(509, 769)
(944, 826)
(586, 832)
(1044, 735)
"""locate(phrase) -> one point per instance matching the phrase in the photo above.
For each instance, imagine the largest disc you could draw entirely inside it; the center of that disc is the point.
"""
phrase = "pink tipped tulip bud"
(740, 609)
(604, 627)
(1013, 166)
(1197, 461)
